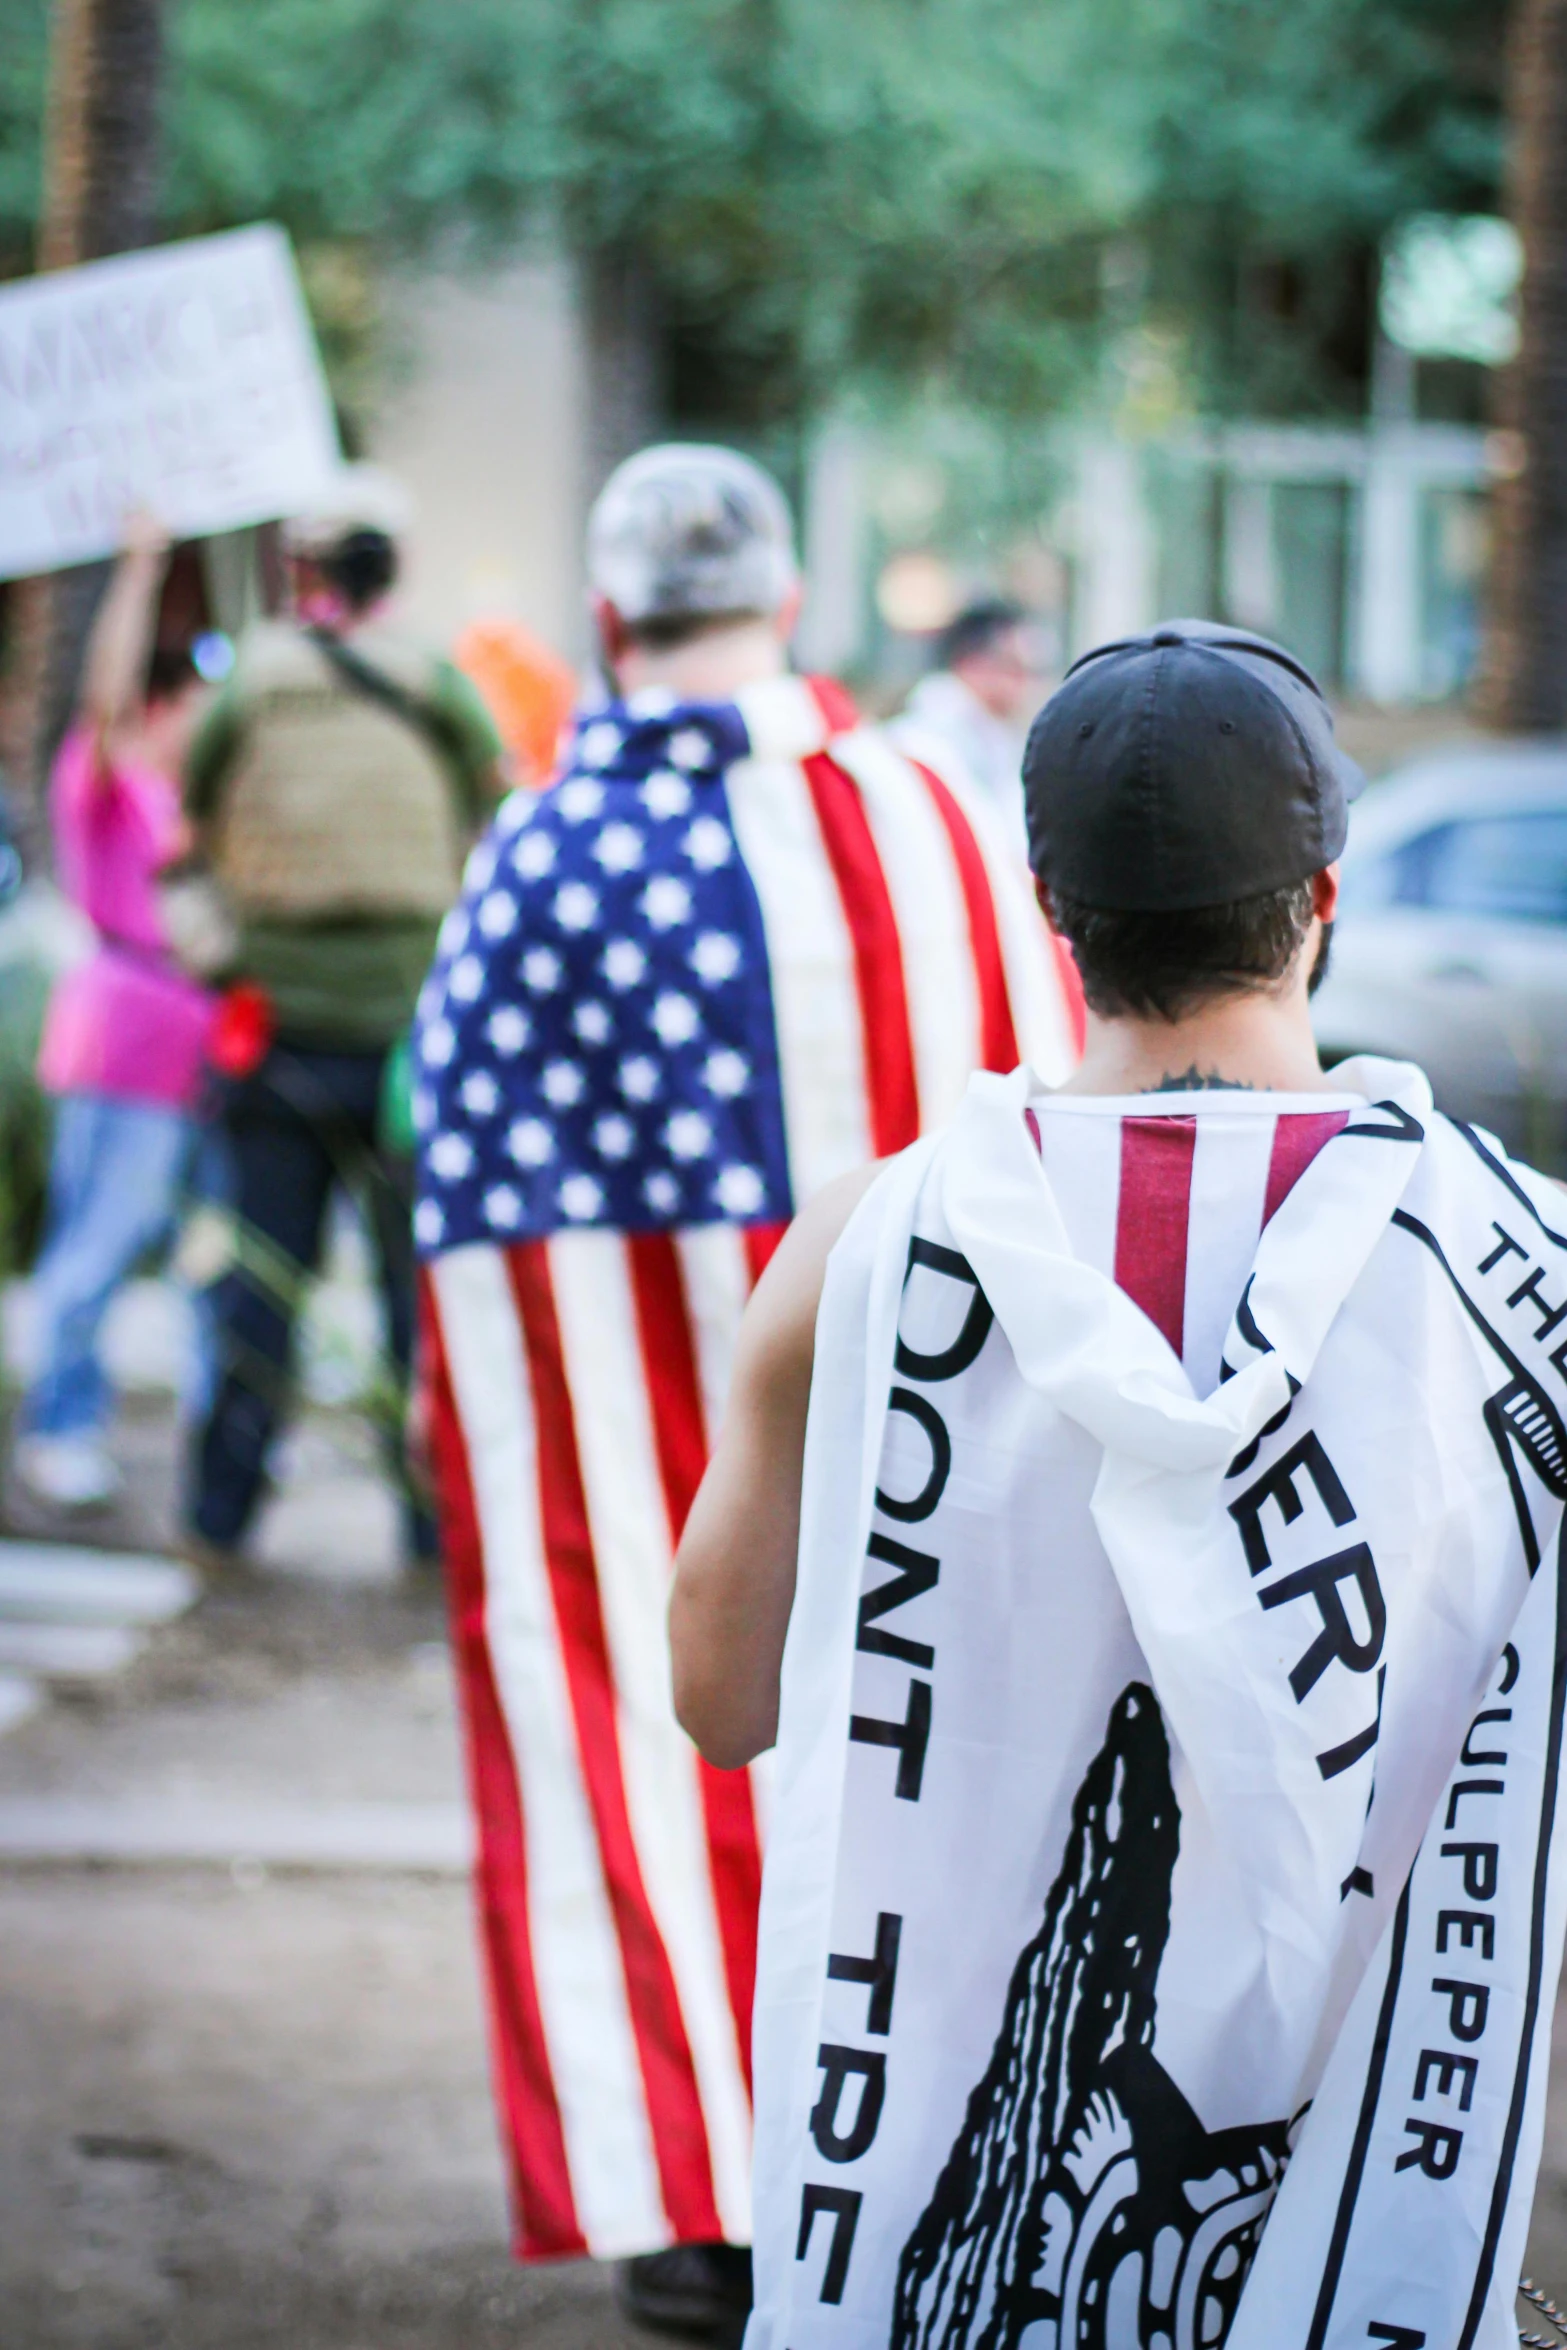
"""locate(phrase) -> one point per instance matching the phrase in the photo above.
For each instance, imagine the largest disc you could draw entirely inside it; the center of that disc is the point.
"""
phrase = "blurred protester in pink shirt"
(126, 1030)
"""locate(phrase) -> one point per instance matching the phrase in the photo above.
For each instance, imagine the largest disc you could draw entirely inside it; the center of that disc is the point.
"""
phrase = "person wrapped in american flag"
(740, 946)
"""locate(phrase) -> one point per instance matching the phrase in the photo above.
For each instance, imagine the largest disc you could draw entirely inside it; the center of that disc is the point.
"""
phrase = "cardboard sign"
(184, 378)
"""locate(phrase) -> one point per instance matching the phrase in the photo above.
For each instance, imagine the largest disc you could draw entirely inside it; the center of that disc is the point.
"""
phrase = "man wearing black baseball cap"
(1187, 804)
(1117, 1538)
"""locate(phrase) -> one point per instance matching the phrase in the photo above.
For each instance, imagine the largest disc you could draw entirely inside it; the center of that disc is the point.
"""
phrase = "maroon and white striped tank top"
(1172, 1199)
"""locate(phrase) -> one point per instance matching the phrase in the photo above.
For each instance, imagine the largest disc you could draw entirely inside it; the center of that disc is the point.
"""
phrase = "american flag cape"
(733, 952)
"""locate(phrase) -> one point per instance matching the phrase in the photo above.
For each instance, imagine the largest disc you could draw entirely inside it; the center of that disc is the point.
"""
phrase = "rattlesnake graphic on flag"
(1521, 1417)
(1083, 2206)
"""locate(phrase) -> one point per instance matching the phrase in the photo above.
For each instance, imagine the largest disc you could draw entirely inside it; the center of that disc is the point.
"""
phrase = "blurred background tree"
(771, 197)
(1289, 142)
(1523, 685)
(80, 179)
(1166, 207)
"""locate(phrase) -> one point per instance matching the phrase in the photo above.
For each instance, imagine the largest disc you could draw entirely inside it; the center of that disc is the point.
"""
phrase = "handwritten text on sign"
(184, 378)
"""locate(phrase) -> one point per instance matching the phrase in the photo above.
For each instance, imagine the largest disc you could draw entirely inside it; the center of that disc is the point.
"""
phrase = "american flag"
(733, 952)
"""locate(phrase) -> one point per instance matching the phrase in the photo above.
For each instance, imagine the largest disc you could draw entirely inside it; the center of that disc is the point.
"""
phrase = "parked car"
(1451, 948)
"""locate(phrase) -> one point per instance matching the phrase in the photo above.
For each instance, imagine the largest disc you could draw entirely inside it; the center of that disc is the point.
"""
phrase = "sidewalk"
(245, 2102)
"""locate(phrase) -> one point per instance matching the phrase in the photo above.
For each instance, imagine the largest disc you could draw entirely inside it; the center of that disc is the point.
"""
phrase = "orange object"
(528, 689)
(243, 1028)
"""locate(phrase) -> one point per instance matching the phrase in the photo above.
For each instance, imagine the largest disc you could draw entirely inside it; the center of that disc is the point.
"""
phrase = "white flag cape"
(1165, 1899)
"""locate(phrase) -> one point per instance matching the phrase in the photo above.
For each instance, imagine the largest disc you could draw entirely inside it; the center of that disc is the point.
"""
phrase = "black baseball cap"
(1189, 767)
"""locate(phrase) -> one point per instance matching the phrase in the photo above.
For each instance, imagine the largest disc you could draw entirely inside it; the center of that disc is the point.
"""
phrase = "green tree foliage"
(1289, 139)
(22, 27)
(827, 189)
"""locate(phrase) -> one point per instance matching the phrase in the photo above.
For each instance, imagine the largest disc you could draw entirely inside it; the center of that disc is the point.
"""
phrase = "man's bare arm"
(734, 1576)
(119, 647)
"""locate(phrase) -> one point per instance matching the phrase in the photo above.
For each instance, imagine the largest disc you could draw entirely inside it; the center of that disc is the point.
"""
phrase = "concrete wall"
(484, 424)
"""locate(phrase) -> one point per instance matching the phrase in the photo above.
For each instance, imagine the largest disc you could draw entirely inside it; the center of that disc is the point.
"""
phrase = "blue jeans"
(114, 1183)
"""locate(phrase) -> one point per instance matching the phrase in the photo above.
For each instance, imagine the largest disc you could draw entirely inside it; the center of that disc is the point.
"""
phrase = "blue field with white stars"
(595, 1044)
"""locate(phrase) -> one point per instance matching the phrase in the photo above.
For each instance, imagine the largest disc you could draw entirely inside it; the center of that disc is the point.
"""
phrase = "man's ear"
(787, 618)
(1324, 893)
(1045, 906)
(613, 634)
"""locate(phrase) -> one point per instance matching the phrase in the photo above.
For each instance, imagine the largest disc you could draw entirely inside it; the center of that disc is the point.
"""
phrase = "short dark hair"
(976, 628)
(1164, 966)
(664, 632)
(170, 670)
(361, 567)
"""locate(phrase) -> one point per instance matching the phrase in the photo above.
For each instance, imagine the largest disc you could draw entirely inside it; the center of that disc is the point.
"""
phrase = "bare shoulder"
(780, 1321)
(815, 1232)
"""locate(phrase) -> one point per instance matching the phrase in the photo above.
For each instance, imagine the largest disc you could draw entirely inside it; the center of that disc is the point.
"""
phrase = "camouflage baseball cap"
(687, 528)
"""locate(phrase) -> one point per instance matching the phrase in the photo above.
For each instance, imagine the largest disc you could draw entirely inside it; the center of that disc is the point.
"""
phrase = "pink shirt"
(126, 1022)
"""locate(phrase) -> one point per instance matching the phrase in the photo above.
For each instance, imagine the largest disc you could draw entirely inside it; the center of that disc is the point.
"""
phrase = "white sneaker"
(67, 1472)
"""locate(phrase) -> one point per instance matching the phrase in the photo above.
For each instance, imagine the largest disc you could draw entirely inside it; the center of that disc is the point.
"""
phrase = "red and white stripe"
(1172, 1202)
(575, 1385)
(903, 942)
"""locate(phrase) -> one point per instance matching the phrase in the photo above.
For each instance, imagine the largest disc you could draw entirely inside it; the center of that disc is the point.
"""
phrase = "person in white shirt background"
(990, 675)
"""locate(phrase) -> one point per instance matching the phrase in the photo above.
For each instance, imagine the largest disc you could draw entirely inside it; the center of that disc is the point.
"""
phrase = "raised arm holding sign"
(184, 379)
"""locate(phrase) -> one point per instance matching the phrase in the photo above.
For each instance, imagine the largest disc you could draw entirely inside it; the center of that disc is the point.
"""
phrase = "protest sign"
(184, 379)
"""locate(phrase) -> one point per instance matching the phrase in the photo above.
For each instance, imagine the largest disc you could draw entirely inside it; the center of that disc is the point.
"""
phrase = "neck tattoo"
(1195, 1080)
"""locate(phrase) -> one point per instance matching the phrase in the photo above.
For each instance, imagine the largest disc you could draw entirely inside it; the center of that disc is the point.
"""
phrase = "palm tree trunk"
(1523, 686)
(99, 197)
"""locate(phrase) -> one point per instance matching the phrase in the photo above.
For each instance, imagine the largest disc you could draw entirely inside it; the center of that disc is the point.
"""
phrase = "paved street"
(242, 2075)
(242, 2078)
